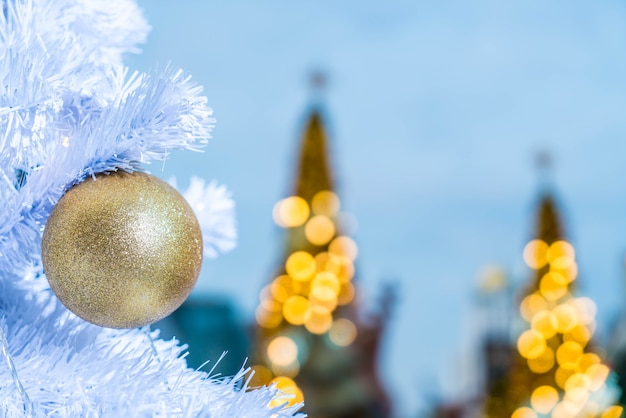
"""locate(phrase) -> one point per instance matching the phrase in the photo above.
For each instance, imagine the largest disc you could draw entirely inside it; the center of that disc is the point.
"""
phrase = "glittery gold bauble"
(123, 250)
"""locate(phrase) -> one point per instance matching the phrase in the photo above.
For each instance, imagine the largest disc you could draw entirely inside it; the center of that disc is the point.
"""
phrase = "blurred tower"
(210, 327)
(309, 328)
(616, 350)
(497, 349)
(554, 371)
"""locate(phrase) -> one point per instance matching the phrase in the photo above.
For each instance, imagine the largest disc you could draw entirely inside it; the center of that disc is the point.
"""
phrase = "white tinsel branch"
(70, 109)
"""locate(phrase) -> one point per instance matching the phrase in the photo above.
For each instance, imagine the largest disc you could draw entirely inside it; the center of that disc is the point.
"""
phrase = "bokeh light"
(344, 246)
(282, 351)
(598, 373)
(346, 294)
(531, 344)
(291, 212)
(323, 296)
(613, 412)
(569, 273)
(577, 387)
(545, 322)
(267, 319)
(542, 364)
(568, 354)
(318, 320)
(535, 254)
(561, 375)
(291, 392)
(319, 230)
(531, 305)
(553, 286)
(561, 254)
(327, 279)
(343, 332)
(566, 316)
(325, 203)
(295, 309)
(524, 412)
(260, 376)
(544, 398)
(300, 266)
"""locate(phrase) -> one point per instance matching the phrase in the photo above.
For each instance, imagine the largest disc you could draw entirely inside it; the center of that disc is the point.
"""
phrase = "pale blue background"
(436, 110)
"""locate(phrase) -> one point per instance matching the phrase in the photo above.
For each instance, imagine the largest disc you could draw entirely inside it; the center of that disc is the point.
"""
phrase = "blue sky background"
(436, 109)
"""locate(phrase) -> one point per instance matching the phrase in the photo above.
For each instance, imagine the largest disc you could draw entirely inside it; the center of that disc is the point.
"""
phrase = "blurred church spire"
(311, 339)
(555, 371)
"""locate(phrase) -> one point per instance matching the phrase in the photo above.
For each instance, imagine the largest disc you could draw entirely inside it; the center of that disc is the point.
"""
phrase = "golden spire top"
(314, 168)
(549, 227)
(548, 219)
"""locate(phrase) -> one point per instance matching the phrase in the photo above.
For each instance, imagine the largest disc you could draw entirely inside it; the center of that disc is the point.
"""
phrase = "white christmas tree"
(70, 110)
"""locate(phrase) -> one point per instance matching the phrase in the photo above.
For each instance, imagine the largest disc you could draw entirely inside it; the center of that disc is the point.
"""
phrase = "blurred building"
(541, 361)
(311, 339)
(210, 328)
(616, 350)
(556, 370)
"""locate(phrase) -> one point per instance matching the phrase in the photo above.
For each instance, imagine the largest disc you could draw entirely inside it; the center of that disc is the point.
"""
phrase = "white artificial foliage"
(70, 109)
(215, 210)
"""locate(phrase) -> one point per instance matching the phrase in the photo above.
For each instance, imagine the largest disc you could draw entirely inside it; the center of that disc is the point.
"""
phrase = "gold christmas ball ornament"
(122, 250)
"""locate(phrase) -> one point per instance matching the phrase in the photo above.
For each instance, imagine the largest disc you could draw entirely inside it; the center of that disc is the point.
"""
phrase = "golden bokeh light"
(295, 309)
(340, 265)
(535, 254)
(545, 322)
(281, 288)
(267, 319)
(532, 304)
(346, 269)
(291, 370)
(572, 407)
(271, 305)
(577, 387)
(291, 392)
(524, 412)
(343, 332)
(561, 254)
(492, 279)
(598, 373)
(291, 212)
(531, 344)
(566, 316)
(323, 296)
(346, 294)
(327, 279)
(577, 397)
(544, 398)
(318, 320)
(325, 203)
(323, 262)
(300, 266)
(553, 286)
(586, 309)
(542, 364)
(561, 375)
(613, 412)
(344, 246)
(282, 351)
(568, 354)
(587, 360)
(559, 411)
(580, 333)
(260, 376)
(319, 230)
(569, 273)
